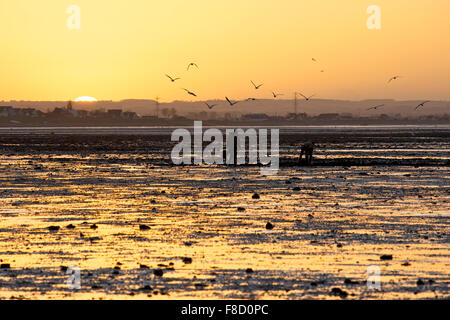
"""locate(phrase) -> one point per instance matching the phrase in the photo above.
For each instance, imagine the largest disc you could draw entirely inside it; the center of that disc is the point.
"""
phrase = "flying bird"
(251, 99)
(172, 79)
(306, 98)
(256, 86)
(314, 60)
(210, 106)
(190, 92)
(421, 105)
(192, 64)
(231, 103)
(393, 78)
(276, 94)
(376, 107)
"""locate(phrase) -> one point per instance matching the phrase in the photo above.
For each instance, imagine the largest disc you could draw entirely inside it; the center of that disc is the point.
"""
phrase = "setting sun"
(85, 99)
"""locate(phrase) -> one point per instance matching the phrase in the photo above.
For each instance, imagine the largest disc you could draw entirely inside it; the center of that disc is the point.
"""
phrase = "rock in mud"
(5, 266)
(386, 257)
(144, 227)
(350, 281)
(53, 228)
(158, 272)
(269, 226)
(147, 288)
(255, 196)
(187, 260)
(339, 292)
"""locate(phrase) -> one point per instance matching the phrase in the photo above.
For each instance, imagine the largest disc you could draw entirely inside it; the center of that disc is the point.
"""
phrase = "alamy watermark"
(235, 151)
(74, 20)
(74, 280)
(374, 20)
(373, 278)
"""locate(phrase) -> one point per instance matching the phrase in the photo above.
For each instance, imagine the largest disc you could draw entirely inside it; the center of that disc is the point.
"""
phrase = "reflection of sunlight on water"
(333, 226)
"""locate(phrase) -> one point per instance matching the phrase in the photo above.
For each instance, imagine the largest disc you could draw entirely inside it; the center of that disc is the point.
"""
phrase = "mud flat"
(141, 228)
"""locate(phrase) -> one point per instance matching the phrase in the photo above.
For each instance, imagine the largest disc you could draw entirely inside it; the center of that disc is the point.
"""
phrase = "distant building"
(115, 113)
(60, 112)
(6, 111)
(83, 114)
(255, 117)
(31, 112)
(328, 116)
(296, 116)
(130, 115)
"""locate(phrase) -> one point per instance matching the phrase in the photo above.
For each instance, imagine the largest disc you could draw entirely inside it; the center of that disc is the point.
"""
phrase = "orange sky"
(124, 48)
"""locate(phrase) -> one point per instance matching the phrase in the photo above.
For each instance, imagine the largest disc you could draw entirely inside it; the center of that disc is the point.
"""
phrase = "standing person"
(307, 149)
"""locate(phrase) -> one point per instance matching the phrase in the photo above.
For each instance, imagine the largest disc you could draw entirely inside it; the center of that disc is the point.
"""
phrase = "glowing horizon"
(125, 50)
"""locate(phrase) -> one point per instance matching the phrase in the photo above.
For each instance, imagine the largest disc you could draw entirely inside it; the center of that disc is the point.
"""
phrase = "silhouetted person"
(307, 150)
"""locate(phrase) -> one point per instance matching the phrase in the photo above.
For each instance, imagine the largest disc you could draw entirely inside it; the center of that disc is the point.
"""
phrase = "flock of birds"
(274, 94)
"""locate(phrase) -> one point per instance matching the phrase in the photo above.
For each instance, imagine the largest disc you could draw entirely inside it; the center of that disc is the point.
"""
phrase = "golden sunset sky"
(125, 48)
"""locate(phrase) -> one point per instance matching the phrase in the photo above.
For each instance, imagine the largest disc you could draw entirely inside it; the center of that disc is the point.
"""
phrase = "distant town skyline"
(126, 49)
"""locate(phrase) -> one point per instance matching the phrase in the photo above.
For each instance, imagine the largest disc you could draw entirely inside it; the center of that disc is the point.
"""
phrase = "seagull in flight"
(172, 79)
(421, 105)
(192, 64)
(210, 106)
(231, 103)
(190, 92)
(314, 60)
(276, 94)
(306, 98)
(376, 107)
(394, 78)
(256, 86)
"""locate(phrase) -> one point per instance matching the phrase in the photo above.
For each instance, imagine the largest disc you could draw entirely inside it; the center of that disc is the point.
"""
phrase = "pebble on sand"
(94, 226)
(143, 227)
(53, 228)
(249, 270)
(143, 266)
(255, 196)
(386, 257)
(269, 226)
(241, 209)
(70, 226)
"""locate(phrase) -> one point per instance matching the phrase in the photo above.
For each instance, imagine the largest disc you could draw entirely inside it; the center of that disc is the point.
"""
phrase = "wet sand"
(389, 195)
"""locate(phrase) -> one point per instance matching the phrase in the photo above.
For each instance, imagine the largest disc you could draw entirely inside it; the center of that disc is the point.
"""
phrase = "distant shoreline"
(30, 122)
